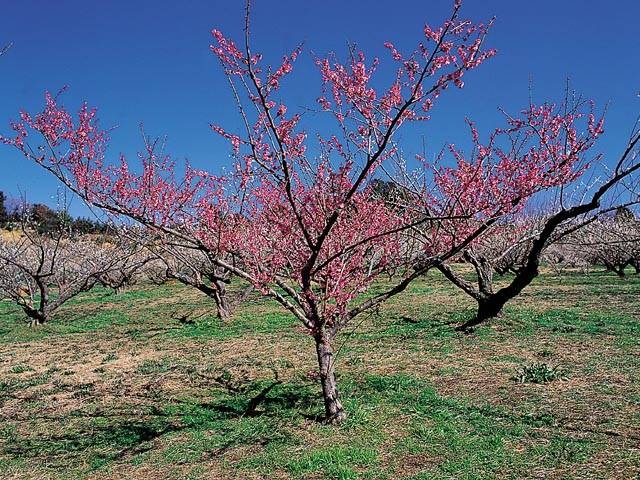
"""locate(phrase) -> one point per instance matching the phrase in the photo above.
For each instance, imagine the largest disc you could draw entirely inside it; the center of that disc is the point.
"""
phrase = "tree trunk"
(489, 306)
(36, 322)
(612, 267)
(217, 291)
(334, 411)
(36, 317)
(219, 294)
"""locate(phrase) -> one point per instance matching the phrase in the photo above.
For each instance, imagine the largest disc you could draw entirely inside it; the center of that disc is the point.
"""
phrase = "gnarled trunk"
(36, 317)
(489, 306)
(334, 411)
(616, 268)
(219, 295)
(490, 303)
(39, 315)
(619, 270)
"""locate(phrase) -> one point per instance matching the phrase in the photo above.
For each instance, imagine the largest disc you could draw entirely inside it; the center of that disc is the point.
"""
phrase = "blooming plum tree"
(195, 266)
(299, 216)
(307, 231)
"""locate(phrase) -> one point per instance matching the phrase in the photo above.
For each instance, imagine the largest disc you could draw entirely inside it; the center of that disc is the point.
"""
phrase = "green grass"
(117, 387)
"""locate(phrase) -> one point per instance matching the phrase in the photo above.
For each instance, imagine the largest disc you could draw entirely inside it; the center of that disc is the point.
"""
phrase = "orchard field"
(349, 242)
(150, 384)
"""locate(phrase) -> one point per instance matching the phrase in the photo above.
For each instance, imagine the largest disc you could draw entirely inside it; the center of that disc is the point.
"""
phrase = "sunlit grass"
(121, 386)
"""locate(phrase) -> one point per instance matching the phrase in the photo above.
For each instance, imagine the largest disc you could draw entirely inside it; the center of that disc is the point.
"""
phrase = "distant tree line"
(46, 219)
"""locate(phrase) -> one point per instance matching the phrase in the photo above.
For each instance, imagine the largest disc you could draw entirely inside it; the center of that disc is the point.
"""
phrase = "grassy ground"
(117, 387)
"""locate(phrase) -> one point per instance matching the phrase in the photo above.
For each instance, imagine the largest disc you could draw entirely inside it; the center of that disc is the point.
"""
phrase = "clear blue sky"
(149, 61)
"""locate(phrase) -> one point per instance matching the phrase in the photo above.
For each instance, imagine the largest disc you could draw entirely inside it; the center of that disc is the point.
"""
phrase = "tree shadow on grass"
(121, 438)
(257, 413)
(271, 398)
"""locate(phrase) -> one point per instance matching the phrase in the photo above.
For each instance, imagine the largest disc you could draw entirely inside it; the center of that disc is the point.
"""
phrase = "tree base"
(336, 418)
(484, 314)
(465, 328)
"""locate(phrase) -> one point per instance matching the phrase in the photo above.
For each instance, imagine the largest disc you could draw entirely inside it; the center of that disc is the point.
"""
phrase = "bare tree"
(611, 241)
(199, 268)
(566, 254)
(128, 261)
(41, 272)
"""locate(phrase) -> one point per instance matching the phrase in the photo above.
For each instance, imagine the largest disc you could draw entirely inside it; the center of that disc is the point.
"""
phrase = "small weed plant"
(539, 372)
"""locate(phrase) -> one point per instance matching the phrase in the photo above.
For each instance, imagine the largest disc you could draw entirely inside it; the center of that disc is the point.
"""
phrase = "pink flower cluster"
(449, 51)
(539, 150)
(74, 150)
(352, 256)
